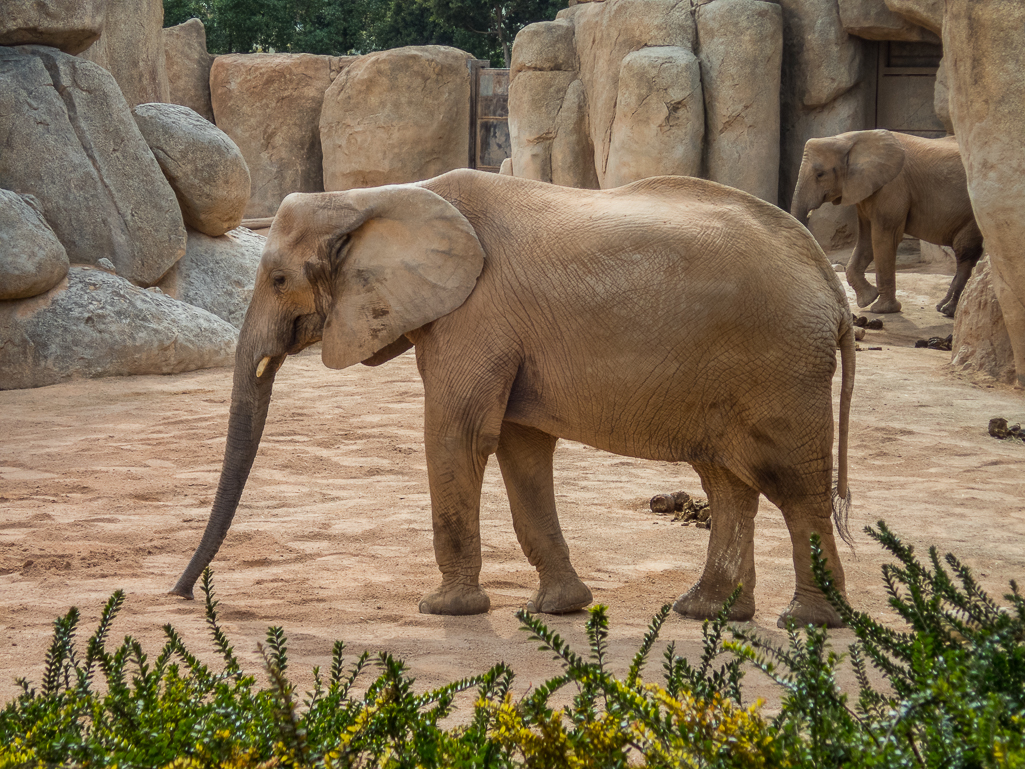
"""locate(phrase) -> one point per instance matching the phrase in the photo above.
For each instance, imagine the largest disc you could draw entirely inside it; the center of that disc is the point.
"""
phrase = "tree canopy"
(485, 28)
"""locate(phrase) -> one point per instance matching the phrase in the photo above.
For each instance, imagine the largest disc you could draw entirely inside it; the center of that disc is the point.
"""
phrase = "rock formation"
(188, 67)
(32, 260)
(396, 116)
(981, 343)
(70, 25)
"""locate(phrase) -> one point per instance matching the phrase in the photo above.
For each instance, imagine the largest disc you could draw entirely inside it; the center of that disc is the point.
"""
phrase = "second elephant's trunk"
(801, 209)
(250, 399)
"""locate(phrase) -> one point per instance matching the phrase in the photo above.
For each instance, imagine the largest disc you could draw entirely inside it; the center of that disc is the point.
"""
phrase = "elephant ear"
(875, 158)
(409, 258)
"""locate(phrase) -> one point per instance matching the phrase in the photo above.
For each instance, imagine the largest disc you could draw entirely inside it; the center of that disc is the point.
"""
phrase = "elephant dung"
(94, 324)
(685, 508)
(70, 25)
(82, 156)
(32, 260)
(397, 116)
(204, 166)
(188, 67)
(999, 428)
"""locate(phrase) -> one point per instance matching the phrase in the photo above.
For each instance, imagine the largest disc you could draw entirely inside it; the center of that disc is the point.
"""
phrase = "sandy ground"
(107, 484)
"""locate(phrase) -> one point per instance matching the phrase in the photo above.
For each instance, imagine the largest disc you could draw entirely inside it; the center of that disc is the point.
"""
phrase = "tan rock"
(604, 33)
(506, 169)
(983, 44)
(872, 20)
(660, 116)
(32, 260)
(94, 324)
(925, 13)
(71, 25)
(820, 59)
(941, 97)
(188, 67)
(131, 48)
(535, 102)
(741, 49)
(205, 168)
(981, 342)
(543, 47)
(269, 104)
(397, 116)
(84, 159)
(572, 152)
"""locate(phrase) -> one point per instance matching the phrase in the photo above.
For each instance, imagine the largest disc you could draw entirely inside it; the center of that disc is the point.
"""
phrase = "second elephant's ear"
(411, 258)
(875, 158)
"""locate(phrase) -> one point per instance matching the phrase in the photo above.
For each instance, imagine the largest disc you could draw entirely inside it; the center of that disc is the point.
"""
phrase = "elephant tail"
(841, 496)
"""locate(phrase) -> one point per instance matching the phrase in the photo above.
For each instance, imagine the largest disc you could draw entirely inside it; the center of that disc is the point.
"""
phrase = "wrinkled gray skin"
(643, 320)
(900, 184)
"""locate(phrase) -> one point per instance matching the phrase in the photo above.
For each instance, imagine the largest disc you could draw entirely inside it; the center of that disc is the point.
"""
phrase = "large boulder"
(604, 33)
(981, 343)
(71, 25)
(872, 20)
(397, 116)
(188, 67)
(535, 104)
(741, 50)
(82, 156)
(94, 324)
(32, 260)
(205, 168)
(983, 44)
(925, 13)
(660, 116)
(572, 152)
(269, 104)
(217, 274)
(131, 48)
(544, 46)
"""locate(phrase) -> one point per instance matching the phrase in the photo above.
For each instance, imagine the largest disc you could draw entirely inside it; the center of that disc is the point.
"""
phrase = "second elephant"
(900, 184)
(644, 320)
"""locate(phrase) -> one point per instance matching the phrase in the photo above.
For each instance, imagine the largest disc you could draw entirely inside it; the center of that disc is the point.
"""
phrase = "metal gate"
(489, 117)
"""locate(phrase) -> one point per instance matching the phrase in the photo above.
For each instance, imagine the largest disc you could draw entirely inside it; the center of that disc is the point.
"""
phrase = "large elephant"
(900, 184)
(672, 319)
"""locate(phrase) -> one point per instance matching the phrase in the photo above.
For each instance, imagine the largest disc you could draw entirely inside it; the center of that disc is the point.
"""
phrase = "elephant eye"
(279, 281)
(820, 174)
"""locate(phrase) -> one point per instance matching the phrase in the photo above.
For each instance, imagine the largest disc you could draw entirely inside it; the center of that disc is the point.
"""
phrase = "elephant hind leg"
(967, 252)
(525, 457)
(730, 560)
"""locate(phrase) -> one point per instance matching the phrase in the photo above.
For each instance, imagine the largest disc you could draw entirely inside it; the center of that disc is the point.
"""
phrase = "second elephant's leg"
(967, 251)
(885, 240)
(730, 559)
(864, 291)
(525, 456)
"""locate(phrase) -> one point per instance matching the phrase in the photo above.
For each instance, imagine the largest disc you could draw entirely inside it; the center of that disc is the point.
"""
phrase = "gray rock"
(94, 324)
(660, 116)
(981, 342)
(131, 49)
(71, 25)
(872, 20)
(217, 274)
(82, 156)
(32, 260)
(925, 13)
(544, 46)
(572, 152)
(535, 103)
(188, 67)
(204, 166)
(821, 60)
(741, 49)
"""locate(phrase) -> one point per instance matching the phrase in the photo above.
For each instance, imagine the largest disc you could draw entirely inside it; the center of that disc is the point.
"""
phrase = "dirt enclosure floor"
(107, 484)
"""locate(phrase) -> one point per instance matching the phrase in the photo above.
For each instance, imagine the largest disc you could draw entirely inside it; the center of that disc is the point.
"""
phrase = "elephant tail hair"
(841, 495)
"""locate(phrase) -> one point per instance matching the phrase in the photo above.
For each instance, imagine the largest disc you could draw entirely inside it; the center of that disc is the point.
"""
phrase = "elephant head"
(845, 169)
(357, 270)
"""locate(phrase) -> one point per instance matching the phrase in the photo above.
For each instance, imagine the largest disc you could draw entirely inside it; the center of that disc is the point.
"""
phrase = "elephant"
(671, 319)
(900, 184)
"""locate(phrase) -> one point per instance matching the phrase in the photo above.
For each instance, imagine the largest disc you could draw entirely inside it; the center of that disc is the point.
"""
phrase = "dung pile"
(684, 508)
(998, 428)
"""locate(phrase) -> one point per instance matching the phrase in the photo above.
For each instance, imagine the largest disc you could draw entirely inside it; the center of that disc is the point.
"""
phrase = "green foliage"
(948, 691)
(339, 27)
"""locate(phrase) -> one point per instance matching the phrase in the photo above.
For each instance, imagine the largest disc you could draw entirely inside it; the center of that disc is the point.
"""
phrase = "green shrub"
(953, 695)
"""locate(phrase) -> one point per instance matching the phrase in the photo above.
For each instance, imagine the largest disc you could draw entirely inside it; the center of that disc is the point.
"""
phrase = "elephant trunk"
(801, 208)
(250, 398)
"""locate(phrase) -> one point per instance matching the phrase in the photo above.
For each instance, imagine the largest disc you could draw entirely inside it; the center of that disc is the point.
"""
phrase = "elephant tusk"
(262, 367)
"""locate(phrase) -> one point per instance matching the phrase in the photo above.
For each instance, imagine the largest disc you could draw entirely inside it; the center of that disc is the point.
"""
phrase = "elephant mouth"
(306, 330)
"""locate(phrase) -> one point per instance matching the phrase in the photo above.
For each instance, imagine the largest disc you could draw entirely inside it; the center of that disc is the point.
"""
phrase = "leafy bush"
(953, 696)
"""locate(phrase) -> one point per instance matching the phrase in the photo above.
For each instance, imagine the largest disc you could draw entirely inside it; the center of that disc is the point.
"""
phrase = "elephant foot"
(698, 603)
(864, 292)
(560, 596)
(884, 305)
(947, 309)
(455, 601)
(817, 612)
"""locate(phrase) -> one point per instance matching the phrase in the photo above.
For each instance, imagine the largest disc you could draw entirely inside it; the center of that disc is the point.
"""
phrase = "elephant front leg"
(730, 561)
(455, 471)
(525, 456)
(967, 252)
(884, 247)
(809, 606)
(865, 293)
